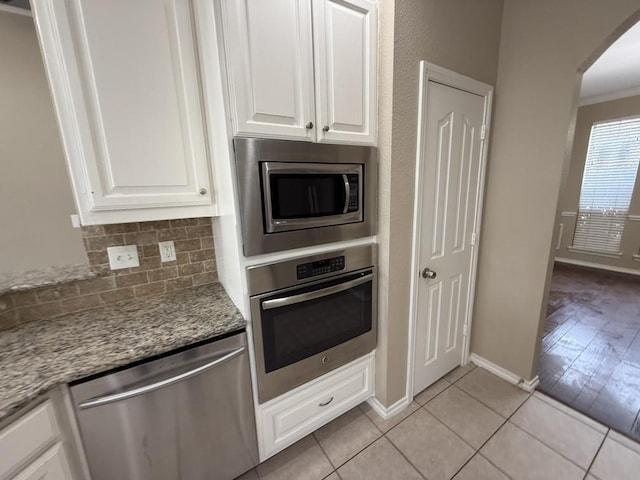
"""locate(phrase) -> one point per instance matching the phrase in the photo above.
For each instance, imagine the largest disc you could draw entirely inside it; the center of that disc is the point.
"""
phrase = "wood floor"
(591, 347)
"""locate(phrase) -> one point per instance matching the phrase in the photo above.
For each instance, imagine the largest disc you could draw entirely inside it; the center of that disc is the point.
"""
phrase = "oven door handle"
(347, 191)
(303, 297)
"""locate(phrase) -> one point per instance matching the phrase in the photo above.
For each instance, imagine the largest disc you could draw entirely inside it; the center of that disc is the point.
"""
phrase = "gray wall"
(35, 193)
(462, 35)
(570, 192)
(544, 44)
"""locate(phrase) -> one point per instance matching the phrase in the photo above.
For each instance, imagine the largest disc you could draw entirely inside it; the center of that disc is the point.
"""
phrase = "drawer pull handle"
(324, 404)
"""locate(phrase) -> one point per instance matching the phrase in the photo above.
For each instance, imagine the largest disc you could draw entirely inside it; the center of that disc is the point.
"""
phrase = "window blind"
(609, 178)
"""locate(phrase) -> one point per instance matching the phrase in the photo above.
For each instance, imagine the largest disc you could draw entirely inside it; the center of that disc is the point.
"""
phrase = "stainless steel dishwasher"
(186, 416)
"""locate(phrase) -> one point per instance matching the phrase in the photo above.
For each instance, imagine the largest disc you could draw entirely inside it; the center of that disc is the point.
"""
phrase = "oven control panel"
(320, 267)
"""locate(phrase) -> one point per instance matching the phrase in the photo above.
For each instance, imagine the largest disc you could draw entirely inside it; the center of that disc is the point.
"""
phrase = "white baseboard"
(388, 412)
(598, 266)
(526, 385)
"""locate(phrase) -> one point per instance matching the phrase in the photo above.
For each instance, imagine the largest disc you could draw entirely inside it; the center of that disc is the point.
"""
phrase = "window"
(609, 178)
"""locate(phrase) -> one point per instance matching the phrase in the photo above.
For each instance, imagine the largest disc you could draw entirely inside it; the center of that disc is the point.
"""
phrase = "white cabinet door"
(52, 465)
(270, 65)
(345, 42)
(125, 81)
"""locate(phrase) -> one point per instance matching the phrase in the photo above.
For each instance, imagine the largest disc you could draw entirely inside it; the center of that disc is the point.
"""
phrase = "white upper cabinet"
(302, 69)
(270, 67)
(345, 41)
(126, 85)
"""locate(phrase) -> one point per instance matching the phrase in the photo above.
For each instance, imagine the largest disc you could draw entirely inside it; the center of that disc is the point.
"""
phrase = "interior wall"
(544, 45)
(461, 35)
(570, 192)
(35, 193)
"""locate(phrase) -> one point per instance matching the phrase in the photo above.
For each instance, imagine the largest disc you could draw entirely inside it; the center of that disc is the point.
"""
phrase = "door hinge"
(483, 132)
(473, 239)
(465, 330)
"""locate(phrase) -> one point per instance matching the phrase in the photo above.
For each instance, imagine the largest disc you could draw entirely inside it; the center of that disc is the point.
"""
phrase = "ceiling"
(616, 74)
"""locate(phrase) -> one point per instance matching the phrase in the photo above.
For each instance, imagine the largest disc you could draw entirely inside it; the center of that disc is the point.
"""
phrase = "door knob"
(309, 126)
(325, 128)
(428, 273)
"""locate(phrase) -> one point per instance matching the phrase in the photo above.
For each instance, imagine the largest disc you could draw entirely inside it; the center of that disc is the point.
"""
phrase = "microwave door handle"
(303, 297)
(347, 190)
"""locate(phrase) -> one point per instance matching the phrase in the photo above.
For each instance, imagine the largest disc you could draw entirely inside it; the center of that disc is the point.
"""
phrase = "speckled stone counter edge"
(20, 282)
(38, 356)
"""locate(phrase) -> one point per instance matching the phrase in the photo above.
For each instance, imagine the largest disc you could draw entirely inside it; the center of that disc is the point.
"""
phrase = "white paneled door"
(450, 162)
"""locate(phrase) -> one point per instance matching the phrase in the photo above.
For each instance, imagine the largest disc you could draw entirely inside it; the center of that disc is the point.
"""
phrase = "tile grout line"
(313, 434)
(403, 455)
(548, 446)
(384, 434)
(477, 452)
(570, 415)
(593, 460)
(359, 451)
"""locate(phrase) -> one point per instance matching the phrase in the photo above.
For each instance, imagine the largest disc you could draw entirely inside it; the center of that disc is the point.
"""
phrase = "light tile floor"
(470, 425)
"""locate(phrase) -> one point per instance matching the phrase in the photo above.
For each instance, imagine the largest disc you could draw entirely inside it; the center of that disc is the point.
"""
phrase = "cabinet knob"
(203, 191)
(325, 128)
(309, 125)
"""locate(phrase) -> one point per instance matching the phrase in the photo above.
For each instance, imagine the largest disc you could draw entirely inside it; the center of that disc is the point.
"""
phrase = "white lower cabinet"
(22, 444)
(290, 417)
(51, 465)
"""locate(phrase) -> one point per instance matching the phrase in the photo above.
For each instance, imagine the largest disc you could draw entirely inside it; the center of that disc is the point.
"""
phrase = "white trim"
(607, 97)
(526, 385)
(634, 218)
(568, 214)
(599, 266)
(560, 232)
(18, 11)
(429, 71)
(388, 412)
(584, 251)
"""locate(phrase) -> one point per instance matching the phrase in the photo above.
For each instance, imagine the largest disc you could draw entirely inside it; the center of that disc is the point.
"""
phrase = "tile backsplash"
(195, 264)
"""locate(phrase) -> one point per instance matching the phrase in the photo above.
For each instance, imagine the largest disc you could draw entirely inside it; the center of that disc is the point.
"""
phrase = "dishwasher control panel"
(320, 267)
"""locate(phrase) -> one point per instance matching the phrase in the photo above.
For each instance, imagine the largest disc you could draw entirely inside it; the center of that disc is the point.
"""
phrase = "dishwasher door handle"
(96, 402)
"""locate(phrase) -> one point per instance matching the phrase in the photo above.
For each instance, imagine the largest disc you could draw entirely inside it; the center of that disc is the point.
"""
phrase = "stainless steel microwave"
(296, 194)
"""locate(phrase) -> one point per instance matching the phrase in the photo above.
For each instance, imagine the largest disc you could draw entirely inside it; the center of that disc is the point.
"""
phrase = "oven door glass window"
(293, 332)
(300, 195)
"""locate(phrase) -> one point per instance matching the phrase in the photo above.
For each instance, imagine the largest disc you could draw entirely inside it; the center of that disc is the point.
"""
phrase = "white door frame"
(431, 72)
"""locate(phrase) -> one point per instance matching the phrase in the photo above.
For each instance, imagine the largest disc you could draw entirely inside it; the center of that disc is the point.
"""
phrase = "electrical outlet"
(167, 251)
(123, 257)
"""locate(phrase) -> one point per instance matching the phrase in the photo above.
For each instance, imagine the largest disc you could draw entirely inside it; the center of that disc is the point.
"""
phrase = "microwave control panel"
(354, 192)
(320, 267)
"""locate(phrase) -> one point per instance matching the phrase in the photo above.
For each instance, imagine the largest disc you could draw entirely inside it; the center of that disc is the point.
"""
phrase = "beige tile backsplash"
(195, 264)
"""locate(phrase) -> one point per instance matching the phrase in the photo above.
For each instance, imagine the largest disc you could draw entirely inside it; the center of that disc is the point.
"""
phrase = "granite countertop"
(40, 355)
(18, 282)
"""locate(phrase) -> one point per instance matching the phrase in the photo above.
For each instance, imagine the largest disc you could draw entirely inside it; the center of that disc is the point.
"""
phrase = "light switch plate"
(123, 257)
(167, 251)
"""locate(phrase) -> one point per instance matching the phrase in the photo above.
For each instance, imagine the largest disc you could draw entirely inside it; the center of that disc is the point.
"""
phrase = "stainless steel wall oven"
(297, 194)
(311, 315)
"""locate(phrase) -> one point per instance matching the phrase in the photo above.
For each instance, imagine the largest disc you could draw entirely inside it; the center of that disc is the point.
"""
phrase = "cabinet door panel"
(126, 86)
(345, 33)
(269, 57)
(52, 465)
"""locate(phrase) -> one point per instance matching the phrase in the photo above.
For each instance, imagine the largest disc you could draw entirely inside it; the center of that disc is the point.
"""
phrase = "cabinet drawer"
(52, 465)
(290, 417)
(22, 439)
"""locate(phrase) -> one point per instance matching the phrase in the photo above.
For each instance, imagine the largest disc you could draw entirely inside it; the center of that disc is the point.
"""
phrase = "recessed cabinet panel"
(125, 81)
(269, 55)
(139, 72)
(126, 77)
(345, 53)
